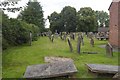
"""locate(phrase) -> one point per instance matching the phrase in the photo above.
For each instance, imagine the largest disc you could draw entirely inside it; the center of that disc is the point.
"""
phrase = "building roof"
(103, 29)
(112, 3)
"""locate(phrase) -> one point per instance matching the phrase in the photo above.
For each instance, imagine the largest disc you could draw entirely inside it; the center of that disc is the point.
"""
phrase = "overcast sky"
(50, 6)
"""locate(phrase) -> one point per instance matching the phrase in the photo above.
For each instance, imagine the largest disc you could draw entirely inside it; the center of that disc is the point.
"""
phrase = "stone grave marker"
(70, 45)
(102, 68)
(64, 37)
(50, 70)
(52, 38)
(109, 50)
(82, 40)
(79, 44)
(56, 59)
(30, 36)
(117, 76)
(92, 42)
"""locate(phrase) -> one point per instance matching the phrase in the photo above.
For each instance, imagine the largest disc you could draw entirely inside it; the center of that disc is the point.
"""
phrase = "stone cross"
(109, 50)
(70, 45)
(79, 44)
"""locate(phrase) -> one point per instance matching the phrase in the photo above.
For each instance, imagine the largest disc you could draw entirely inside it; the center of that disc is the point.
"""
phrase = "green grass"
(16, 59)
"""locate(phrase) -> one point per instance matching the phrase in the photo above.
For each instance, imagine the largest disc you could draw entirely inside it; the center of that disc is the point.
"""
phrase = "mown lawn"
(16, 59)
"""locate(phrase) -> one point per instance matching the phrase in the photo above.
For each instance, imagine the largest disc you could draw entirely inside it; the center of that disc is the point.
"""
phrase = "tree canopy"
(102, 18)
(86, 20)
(33, 14)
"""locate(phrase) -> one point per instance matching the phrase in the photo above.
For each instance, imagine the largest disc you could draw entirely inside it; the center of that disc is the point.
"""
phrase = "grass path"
(16, 59)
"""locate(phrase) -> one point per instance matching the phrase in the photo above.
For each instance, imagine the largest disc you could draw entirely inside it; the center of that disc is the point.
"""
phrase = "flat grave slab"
(50, 70)
(56, 59)
(100, 68)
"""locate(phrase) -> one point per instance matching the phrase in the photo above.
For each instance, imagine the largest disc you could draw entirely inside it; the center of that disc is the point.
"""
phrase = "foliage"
(5, 5)
(55, 22)
(33, 14)
(86, 20)
(102, 18)
(16, 32)
(68, 15)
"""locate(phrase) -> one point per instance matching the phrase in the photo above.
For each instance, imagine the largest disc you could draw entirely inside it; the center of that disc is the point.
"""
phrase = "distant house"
(114, 10)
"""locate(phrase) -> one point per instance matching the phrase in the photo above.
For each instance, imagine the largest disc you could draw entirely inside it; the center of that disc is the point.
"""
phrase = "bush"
(17, 32)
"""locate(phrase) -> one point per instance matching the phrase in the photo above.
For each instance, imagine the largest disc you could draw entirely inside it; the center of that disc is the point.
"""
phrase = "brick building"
(114, 34)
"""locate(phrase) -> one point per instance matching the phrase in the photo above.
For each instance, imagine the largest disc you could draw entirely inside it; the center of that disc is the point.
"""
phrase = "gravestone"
(117, 76)
(72, 36)
(57, 59)
(92, 42)
(70, 45)
(52, 38)
(102, 68)
(49, 34)
(82, 40)
(79, 44)
(61, 36)
(30, 36)
(50, 70)
(64, 37)
(109, 50)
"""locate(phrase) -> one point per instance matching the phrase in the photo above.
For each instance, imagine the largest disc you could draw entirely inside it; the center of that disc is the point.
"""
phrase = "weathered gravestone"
(50, 70)
(70, 45)
(64, 36)
(82, 41)
(79, 44)
(57, 59)
(52, 38)
(102, 69)
(30, 38)
(72, 36)
(92, 42)
(61, 36)
(109, 50)
(117, 76)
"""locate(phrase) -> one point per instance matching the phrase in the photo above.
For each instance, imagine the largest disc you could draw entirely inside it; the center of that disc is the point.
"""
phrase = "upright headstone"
(49, 34)
(109, 50)
(52, 38)
(82, 40)
(64, 37)
(79, 44)
(30, 36)
(70, 45)
(92, 42)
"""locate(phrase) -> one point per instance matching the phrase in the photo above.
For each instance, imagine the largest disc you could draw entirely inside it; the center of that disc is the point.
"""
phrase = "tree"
(55, 22)
(102, 18)
(86, 20)
(68, 16)
(6, 3)
(33, 14)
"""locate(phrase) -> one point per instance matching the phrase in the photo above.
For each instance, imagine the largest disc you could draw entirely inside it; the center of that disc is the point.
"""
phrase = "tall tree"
(33, 14)
(102, 18)
(86, 20)
(68, 15)
(55, 22)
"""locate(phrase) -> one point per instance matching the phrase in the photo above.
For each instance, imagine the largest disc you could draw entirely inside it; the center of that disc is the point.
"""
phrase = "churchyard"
(17, 59)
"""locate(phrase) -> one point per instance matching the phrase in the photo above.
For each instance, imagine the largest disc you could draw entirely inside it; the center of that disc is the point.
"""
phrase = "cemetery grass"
(16, 59)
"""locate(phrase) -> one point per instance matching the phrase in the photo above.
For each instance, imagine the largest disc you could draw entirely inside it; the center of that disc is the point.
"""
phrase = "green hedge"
(16, 32)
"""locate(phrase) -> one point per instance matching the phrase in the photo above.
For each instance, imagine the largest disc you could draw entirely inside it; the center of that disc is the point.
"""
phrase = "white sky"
(50, 6)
